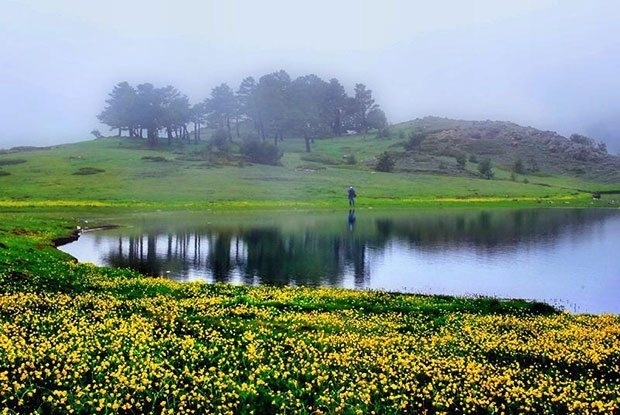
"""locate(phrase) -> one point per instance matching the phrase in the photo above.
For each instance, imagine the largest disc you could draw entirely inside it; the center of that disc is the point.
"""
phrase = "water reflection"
(489, 230)
(491, 252)
(351, 219)
(258, 255)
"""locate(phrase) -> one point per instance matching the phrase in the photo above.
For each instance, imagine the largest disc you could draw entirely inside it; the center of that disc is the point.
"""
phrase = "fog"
(547, 64)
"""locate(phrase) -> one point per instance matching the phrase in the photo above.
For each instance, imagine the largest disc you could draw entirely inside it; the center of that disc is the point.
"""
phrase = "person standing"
(352, 195)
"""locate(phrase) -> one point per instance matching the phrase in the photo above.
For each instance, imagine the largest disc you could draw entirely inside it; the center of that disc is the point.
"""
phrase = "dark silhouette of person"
(352, 195)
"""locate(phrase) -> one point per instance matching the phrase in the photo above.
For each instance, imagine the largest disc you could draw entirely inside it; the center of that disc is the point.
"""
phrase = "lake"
(566, 257)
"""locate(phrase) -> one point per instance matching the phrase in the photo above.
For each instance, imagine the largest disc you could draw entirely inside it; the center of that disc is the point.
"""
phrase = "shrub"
(384, 133)
(8, 162)
(96, 133)
(415, 140)
(518, 167)
(155, 158)
(261, 152)
(220, 140)
(385, 163)
(88, 170)
(473, 158)
(486, 169)
(321, 158)
(4, 173)
(461, 160)
(583, 140)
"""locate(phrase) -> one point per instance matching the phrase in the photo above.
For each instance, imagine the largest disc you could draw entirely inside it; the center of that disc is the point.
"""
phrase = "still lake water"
(566, 257)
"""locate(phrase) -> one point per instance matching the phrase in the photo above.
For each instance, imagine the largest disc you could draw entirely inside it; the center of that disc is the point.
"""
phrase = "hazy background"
(552, 65)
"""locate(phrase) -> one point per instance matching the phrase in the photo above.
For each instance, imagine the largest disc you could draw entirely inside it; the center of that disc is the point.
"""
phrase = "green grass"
(126, 175)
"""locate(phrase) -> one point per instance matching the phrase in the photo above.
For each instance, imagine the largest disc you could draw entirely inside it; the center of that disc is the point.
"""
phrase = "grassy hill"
(125, 171)
(539, 152)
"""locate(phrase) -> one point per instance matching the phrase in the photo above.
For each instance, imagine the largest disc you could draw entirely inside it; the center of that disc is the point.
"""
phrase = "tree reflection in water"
(322, 255)
(256, 256)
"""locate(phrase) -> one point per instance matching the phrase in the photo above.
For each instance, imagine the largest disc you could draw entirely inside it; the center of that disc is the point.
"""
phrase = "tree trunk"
(152, 138)
(338, 124)
(307, 140)
(197, 132)
(256, 126)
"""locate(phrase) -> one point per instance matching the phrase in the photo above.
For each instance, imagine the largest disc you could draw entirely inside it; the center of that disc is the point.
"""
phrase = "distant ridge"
(506, 143)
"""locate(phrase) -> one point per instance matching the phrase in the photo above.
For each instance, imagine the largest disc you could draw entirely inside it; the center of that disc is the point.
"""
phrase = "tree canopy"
(275, 107)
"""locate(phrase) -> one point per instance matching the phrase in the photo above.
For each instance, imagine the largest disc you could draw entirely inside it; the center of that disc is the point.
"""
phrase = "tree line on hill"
(275, 106)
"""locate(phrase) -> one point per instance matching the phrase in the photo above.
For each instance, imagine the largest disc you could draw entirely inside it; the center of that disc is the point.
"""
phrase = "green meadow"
(121, 172)
(75, 338)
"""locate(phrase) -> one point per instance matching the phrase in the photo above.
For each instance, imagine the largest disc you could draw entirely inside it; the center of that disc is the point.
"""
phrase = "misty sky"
(552, 65)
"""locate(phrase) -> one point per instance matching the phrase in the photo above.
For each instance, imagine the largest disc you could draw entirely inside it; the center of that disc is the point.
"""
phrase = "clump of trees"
(145, 110)
(272, 107)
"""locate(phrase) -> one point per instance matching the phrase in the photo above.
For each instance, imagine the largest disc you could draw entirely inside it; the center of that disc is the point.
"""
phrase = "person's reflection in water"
(351, 219)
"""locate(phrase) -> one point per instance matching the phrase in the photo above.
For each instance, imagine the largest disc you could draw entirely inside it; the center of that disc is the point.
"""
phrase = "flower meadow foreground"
(75, 338)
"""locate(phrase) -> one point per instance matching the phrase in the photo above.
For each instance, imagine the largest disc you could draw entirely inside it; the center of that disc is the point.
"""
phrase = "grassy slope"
(48, 174)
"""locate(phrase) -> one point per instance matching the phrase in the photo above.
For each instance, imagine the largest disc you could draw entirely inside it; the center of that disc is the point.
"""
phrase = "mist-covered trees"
(274, 107)
(121, 109)
(306, 95)
(221, 107)
(147, 108)
(362, 104)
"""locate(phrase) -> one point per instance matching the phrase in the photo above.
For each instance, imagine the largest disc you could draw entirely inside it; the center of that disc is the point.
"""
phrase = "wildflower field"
(75, 338)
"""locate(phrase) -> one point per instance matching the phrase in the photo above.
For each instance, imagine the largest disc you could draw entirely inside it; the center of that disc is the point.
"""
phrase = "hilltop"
(506, 144)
